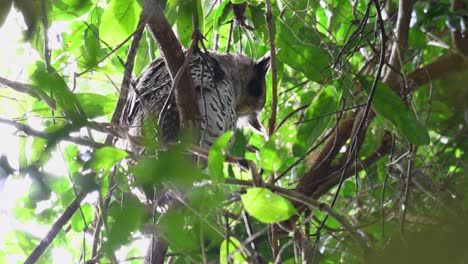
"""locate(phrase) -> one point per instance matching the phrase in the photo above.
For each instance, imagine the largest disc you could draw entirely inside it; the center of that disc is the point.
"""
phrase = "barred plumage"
(228, 87)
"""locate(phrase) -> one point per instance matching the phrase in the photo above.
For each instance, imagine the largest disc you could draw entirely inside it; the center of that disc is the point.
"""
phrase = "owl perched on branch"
(229, 88)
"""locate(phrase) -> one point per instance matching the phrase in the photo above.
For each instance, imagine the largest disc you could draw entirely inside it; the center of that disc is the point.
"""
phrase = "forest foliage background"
(365, 158)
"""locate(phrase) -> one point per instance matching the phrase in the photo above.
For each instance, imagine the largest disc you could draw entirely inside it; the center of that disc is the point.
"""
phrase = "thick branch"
(399, 47)
(438, 69)
(335, 173)
(174, 57)
(320, 162)
(55, 229)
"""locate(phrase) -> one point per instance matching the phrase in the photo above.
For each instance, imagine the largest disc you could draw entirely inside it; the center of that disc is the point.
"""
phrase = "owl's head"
(248, 80)
(247, 77)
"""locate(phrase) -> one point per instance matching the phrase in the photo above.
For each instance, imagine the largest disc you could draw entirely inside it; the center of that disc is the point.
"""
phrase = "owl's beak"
(257, 125)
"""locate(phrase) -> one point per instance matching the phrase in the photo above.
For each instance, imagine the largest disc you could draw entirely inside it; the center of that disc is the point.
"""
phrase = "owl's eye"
(243, 109)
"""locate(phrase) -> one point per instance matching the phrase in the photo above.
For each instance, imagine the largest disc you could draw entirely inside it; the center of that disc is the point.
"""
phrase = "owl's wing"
(153, 83)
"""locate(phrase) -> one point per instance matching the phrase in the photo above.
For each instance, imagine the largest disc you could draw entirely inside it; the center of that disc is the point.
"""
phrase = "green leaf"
(392, 108)
(91, 49)
(95, 105)
(38, 147)
(53, 83)
(316, 120)
(178, 227)
(301, 54)
(222, 13)
(77, 222)
(232, 252)
(238, 147)
(237, 1)
(184, 22)
(127, 218)
(274, 152)
(216, 157)
(119, 20)
(267, 207)
(170, 165)
(104, 158)
(69, 9)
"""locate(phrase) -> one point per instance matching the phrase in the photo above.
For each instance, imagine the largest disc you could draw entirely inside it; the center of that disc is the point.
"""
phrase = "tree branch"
(274, 74)
(310, 202)
(32, 132)
(438, 69)
(173, 56)
(55, 229)
(401, 45)
(29, 89)
(125, 86)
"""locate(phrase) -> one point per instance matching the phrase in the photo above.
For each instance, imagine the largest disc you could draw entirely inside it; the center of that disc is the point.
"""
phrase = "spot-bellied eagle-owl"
(229, 87)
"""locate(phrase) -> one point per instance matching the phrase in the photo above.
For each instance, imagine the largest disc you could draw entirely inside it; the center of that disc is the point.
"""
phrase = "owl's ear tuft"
(263, 64)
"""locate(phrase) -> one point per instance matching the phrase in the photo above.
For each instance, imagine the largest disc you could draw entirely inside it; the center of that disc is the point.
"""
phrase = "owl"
(230, 90)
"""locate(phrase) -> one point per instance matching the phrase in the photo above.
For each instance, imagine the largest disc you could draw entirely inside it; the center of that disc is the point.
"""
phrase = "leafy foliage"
(399, 175)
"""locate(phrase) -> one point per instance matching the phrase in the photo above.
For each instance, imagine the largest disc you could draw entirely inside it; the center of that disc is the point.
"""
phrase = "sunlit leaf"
(301, 54)
(52, 82)
(232, 252)
(69, 9)
(104, 158)
(82, 217)
(184, 22)
(266, 206)
(119, 20)
(95, 105)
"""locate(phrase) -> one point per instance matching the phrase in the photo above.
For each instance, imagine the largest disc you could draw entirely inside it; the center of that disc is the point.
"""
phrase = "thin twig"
(140, 27)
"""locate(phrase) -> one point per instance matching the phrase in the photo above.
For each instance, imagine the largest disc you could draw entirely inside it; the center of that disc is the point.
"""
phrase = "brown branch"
(55, 229)
(334, 175)
(35, 133)
(392, 78)
(438, 69)
(320, 162)
(310, 202)
(274, 73)
(29, 89)
(173, 56)
(128, 69)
